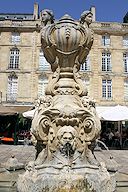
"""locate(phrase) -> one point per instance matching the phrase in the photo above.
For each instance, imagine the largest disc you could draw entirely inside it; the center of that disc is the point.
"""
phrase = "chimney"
(35, 12)
(93, 10)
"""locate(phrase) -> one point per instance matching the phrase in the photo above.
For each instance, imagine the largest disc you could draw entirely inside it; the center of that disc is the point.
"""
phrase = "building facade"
(24, 70)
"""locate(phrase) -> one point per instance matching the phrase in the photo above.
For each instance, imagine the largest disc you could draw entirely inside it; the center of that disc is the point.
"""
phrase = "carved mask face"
(67, 142)
(67, 138)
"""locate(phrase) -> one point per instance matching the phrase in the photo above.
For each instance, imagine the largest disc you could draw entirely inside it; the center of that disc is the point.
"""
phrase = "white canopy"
(29, 114)
(116, 113)
(113, 113)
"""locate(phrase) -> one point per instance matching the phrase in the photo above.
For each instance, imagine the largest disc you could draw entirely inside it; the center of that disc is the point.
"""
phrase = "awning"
(29, 114)
(13, 110)
(116, 113)
(101, 109)
(112, 113)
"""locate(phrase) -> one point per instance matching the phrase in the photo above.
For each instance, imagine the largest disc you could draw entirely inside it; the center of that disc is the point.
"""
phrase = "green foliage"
(23, 123)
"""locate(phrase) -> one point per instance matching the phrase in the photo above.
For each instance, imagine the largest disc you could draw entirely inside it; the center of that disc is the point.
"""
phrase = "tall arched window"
(12, 88)
(106, 61)
(14, 58)
(107, 88)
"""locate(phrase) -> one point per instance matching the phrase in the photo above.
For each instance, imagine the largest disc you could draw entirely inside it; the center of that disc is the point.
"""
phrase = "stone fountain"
(65, 125)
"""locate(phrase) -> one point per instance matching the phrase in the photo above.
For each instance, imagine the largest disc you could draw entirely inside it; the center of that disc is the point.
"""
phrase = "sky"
(106, 10)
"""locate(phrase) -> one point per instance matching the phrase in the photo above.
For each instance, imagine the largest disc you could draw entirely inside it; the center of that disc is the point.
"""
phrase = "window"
(12, 88)
(125, 60)
(43, 64)
(106, 62)
(86, 84)
(42, 84)
(107, 89)
(14, 59)
(126, 89)
(105, 40)
(15, 37)
(125, 40)
(85, 66)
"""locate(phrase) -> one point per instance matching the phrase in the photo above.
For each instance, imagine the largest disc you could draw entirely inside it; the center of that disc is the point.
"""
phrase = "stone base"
(84, 180)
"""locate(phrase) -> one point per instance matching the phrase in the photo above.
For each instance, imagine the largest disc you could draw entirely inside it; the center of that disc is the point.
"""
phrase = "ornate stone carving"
(66, 44)
(47, 17)
(65, 124)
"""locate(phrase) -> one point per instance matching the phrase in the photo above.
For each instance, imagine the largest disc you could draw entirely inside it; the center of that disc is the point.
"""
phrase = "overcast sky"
(106, 10)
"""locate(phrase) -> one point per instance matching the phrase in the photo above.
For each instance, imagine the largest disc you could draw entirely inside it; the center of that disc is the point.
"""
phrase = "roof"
(15, 16)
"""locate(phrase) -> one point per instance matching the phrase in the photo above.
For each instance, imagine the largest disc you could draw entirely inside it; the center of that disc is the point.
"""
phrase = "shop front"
(12, 123)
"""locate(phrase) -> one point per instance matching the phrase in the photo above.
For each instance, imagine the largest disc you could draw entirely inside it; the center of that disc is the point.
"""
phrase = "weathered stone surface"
(65, 125)
(87, 179)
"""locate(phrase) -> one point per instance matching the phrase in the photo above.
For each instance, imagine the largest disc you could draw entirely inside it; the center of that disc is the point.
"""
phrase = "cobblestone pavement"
(25, 153)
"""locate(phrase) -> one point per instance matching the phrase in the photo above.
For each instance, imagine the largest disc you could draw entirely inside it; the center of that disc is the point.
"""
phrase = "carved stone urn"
(65, 125)
(66, 45)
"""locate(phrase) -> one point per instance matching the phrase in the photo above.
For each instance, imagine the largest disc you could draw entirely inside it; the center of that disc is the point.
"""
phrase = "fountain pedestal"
(87, 179)
(65, 125)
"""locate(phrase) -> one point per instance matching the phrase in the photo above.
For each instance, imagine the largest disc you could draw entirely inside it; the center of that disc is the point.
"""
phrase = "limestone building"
(24, 71)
